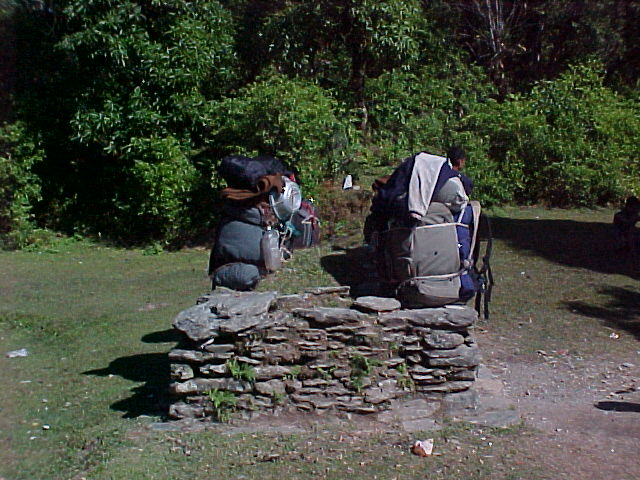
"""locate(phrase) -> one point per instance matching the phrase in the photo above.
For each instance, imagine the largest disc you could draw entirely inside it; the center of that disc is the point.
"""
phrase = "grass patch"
(96, 322)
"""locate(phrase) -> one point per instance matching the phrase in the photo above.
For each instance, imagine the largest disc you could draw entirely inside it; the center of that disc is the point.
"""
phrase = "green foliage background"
(120, 112)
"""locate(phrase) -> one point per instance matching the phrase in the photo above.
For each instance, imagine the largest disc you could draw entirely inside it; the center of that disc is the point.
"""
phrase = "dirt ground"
(583, 413)
(585, 410)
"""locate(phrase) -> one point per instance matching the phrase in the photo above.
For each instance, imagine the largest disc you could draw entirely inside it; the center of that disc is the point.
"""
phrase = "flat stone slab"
(449, 317)
(376, 304)
(241, 303)
(197, 322)
(327, 316)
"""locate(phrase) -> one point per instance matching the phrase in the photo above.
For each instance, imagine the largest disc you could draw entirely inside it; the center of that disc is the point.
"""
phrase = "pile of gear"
(424, 234)
(264, 218)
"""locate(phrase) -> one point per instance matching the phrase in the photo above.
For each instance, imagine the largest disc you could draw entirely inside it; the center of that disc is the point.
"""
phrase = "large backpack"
(243, 172)
(432, 260)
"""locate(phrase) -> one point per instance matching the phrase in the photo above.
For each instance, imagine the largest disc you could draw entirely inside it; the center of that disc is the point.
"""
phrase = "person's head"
(457, 157)
(632, 204)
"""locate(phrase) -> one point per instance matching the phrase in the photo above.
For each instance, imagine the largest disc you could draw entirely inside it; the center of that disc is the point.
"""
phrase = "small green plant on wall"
(224, 404)
(294, 373)
(241, 371)
(404, 380)
(361, 367)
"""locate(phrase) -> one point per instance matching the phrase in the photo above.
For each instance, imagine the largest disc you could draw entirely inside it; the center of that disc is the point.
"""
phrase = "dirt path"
(585, 410)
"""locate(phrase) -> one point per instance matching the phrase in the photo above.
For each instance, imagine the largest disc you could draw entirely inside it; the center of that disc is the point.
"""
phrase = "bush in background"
(19, 186)
(414, 111)
(292, 119)
(569, 142)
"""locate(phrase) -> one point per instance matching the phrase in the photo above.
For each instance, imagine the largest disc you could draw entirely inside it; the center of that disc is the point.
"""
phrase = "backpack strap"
(485, 274)
(475, 207)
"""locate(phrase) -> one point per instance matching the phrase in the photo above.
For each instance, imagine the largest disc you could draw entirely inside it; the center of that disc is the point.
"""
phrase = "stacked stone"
(273, 352)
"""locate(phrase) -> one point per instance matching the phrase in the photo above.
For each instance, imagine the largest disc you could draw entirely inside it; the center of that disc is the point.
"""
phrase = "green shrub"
(569, 142)
(143, 73)
(418, 110)
(19, 186)
(292, 119)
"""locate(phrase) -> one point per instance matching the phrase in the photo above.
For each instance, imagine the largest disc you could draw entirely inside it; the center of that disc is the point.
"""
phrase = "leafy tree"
(314, 38)
(292, 119)
(132, 84)
(418, 110)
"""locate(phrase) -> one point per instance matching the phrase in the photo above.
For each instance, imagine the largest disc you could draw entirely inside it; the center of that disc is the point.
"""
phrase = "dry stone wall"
(315, 351)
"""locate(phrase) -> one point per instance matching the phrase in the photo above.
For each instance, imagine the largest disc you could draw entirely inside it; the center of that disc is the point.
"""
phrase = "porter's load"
(287, 201)
(424, 232)
(270, 249)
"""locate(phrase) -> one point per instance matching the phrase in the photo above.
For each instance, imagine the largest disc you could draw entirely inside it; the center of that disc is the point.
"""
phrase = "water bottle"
(270, 249)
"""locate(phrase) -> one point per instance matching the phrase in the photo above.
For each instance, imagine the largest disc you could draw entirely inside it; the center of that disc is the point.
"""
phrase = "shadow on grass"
(621, 311)
(163, 336)
(354, 267)
(613, 406)
(588, 245)
(151, 398)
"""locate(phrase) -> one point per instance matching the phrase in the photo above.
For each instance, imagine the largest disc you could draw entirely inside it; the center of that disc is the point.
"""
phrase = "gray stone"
(336, 391)
(198, 323)
(450, 317)
(314, 382)
(427, 379)
(422, 370)
(442, 340)
(384, 392)
(292, 386)
(310, 391)
(446, 387)
(305, 346)
(341, 372)
(322, 363)
(313, 334)
(349, 404)
(241, 303)
(457, 403)
(495, 418)
(407, 339)
(180, 410)
(376, 304)
(467, 374)
(348, 330)
(365, 409)
(214, 370)
(393, 323)
(420, 425)
(270, 388)
(279, 353)
(289, 302)
(218, 347)
(247, 360)
(327, 316)
(195, 356)
(394, 362)
(181, 371)
(461, 356)
(252, 402)
(275, 320)
(416, 347)
(202, 385)
(460, 350)
(239, 324)
(275, 337)
(269, 372)
(341, 290)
